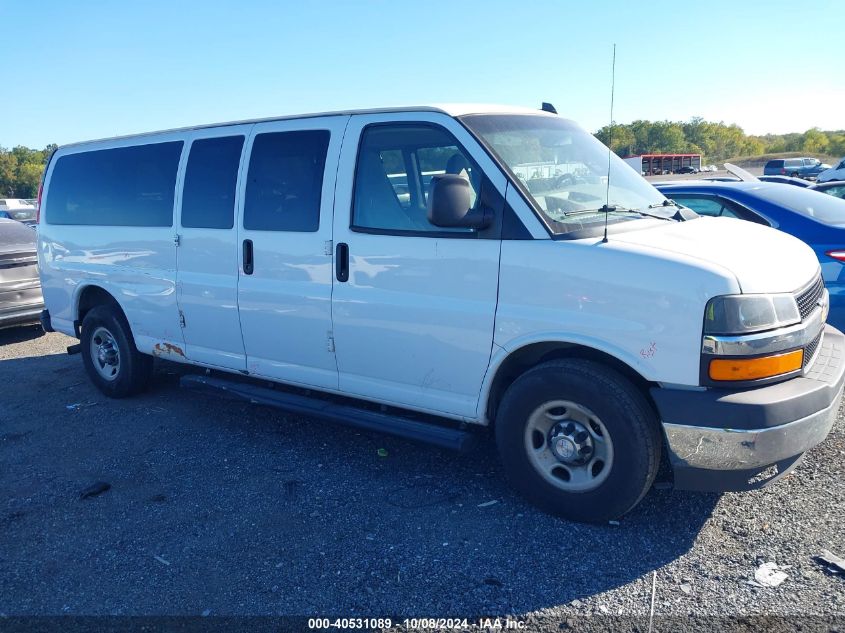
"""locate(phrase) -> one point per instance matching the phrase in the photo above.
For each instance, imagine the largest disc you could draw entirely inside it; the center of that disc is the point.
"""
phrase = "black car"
(687, 169)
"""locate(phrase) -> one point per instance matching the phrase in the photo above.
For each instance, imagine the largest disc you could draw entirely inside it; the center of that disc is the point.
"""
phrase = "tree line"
(21, 167)
(716, 141)
(20, 170)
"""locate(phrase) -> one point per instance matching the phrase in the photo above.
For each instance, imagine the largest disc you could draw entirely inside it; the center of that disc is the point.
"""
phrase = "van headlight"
(743, 340)
(744, 314)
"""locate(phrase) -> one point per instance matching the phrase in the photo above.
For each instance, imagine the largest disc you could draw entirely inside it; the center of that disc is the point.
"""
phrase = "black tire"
(623, 411)
(133, 370)
(795, 174)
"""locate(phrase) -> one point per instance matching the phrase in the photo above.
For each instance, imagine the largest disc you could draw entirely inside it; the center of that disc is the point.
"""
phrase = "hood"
(761, 258)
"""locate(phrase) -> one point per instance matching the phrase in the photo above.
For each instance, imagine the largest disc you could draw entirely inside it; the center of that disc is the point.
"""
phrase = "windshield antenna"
(607, 208)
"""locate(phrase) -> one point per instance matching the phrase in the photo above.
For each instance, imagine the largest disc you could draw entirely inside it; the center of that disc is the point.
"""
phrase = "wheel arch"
(90, 296)
(512, 364)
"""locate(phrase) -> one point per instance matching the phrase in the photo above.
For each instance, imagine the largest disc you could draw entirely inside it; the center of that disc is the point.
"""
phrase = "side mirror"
(449, 204)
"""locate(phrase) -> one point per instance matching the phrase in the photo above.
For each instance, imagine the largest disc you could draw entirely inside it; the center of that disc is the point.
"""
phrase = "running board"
(428, 433)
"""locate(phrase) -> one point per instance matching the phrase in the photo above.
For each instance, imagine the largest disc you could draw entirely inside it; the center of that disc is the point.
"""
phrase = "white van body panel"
(612, 297)
(207, 279)
(285, 304)
(785, 265)
(414, 323)
(135, 264)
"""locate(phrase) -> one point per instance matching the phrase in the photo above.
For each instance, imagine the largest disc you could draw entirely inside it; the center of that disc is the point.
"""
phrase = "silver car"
(20, 288)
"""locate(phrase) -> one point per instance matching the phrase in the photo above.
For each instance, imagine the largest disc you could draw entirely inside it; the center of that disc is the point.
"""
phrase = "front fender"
(554, 338)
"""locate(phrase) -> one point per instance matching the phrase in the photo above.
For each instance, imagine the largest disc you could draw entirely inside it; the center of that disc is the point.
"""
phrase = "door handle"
(248, 262)
(341, 262)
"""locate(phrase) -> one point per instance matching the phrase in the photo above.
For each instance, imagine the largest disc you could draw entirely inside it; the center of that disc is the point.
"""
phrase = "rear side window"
(208, 199)
(794, 162)
(811, 204)
(705, 206)
(717, 206)
(774, 164)
(125, 186)
(838, 191)
(285, 181)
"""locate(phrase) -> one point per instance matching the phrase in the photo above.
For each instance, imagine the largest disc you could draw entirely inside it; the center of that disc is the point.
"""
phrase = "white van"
(424, 269)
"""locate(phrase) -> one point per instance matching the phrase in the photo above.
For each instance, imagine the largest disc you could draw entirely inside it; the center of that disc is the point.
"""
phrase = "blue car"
(816, 218)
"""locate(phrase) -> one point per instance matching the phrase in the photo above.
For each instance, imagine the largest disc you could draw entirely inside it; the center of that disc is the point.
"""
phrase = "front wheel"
(112, 361)
(578, 440)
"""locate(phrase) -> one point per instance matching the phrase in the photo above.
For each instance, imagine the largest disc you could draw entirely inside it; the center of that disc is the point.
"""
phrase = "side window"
(208, 198)
(396, 164)
(704, 206)
(285, 181)
(719, 207)
(124, 186)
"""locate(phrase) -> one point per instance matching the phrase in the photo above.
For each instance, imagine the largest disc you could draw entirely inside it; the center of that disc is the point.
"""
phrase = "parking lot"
(722, 173)
(224, 508)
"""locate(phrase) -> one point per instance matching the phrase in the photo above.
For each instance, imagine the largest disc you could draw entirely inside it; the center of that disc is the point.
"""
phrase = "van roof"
(451, 109)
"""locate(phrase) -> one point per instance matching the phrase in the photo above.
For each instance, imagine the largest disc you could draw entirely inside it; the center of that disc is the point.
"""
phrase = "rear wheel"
(578, 440)
(795, 174)
(112, 361)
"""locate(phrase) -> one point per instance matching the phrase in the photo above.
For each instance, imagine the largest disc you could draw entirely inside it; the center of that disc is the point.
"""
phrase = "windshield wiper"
(638, 211)
(617, 209)
(566, 214)
(681, 214)
(666, 203)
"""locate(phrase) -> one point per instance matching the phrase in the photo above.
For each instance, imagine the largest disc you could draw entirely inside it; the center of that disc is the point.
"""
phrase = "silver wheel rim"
(569, 446)
(105, 355)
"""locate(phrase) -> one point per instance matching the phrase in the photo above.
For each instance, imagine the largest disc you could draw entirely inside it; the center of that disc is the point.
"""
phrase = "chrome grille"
(810, 350)
(808, 298)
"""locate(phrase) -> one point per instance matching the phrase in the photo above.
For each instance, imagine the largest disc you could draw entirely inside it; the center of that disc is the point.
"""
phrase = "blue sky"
(88, 69)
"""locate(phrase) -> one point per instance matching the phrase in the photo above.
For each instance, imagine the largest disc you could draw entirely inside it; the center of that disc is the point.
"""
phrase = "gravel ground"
(224, 508)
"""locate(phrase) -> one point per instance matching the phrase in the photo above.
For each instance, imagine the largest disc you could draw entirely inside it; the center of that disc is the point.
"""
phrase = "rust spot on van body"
(166, 349)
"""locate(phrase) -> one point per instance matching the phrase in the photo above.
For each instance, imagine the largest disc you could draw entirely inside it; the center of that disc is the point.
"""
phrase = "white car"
(836, 172)
(23, 211)
(395, 273)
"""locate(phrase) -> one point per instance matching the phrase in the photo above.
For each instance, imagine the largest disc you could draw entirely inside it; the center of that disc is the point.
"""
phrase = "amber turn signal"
(755, 368)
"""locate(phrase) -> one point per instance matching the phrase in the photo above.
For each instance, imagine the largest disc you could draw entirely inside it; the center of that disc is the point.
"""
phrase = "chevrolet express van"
(420, 270)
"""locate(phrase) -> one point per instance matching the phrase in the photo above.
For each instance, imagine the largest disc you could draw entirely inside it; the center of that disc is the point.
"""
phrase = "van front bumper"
(730, 440)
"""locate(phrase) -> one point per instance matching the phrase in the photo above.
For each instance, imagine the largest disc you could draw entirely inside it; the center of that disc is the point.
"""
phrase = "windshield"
(564, 170)
(815, 205)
